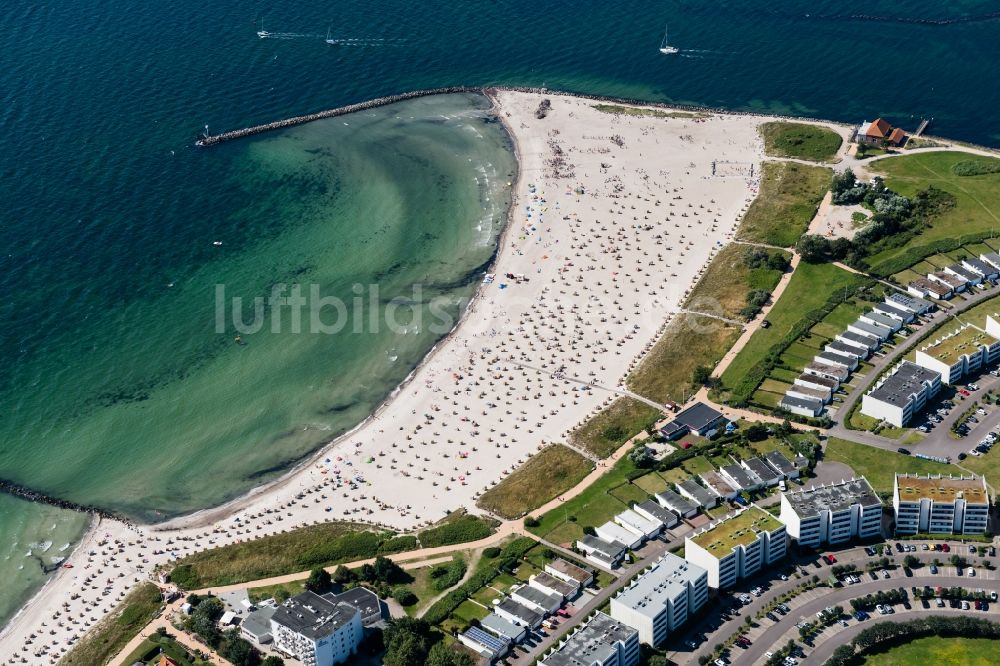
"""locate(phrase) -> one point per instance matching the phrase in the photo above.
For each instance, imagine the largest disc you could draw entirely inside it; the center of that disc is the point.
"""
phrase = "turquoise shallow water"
(114, 387)
(153, 409)
(36, 538)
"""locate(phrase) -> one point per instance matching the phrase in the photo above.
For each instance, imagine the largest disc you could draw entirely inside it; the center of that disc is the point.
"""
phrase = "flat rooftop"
(834, 497)
(965, 340)
(667, 579)
(906, 381)
(740, 530)
(595, 643)
(941, 488)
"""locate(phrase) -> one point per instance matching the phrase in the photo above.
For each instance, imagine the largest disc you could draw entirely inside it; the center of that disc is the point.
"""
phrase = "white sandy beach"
(614, 218)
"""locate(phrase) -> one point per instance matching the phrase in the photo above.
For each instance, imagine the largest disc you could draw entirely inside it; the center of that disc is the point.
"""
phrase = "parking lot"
(726, 615)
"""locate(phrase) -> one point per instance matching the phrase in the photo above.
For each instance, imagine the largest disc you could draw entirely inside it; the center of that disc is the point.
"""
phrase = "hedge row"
(460, 530)
(913, 255)
(884, 635)
(509, 557)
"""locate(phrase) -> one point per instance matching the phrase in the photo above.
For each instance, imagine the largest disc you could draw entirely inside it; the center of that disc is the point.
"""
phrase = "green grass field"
(807, 142)
(977, 208)
(553, 470)
(940, 652)
(879, 465)
(595, 505)
(800, 297)
(152, 647)
(789, 196)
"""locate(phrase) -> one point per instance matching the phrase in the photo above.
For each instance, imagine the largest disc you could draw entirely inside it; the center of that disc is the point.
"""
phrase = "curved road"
(825, 650)
(774, 632)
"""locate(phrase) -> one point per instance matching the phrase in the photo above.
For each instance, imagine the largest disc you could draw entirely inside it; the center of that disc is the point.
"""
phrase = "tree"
(319, 580)
(701, 375)
(271, 660)
(406, 642)
(442, 655)
(238, 651)
(404, 595)
(343, 575)
(910, 562)
(387, 571)
(756, 432)
(640, 456)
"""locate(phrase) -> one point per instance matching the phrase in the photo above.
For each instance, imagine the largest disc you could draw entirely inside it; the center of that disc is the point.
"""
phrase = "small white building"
(610, 531)
(569, 572)
(678, 504)
(535, 599)
(642, 527)
(650, 509)
(810, 407)
(603, 553)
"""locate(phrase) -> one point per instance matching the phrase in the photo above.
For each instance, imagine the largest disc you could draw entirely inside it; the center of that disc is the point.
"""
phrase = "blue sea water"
(108, 392)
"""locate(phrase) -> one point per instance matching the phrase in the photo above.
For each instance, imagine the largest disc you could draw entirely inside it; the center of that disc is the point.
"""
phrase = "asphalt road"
(774, 633)
(709, 617)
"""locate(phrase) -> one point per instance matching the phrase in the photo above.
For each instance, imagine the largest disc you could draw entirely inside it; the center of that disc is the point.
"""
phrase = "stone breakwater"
(213, 139)
(15, 490)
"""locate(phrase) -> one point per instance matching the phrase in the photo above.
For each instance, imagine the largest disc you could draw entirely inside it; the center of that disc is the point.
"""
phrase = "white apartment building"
(902, 394)
(602, 641)
(737, 547)
(662, 598)
(832, 514)
(317, 631)
(940, 504)
(961, 352)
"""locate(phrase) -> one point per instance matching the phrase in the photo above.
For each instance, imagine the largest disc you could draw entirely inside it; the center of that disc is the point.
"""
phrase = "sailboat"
(263, 34)
(333, 42)
(665, 47)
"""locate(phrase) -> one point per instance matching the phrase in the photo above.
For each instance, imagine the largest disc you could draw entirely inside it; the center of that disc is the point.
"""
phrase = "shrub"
(460, 530)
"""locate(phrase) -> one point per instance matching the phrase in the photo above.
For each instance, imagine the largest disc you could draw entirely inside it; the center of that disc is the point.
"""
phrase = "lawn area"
(117, 628)
(977, 209)
(651, 484)
(553, 470)
(800, 298)
(289, 552)
(961, 651)
(607, 430)
(423, 585)
(153, 646)
(789, 196)
(593, 506)
(879, 465)
(807, 142)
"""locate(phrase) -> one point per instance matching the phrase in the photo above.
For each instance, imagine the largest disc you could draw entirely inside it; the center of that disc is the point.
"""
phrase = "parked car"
(933, 568)
(905, 452)
(830, 559)
(885, 574)
(965, 605)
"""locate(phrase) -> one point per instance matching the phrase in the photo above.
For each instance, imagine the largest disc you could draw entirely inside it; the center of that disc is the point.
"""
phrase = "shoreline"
(555, 323)
(208, 514)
